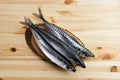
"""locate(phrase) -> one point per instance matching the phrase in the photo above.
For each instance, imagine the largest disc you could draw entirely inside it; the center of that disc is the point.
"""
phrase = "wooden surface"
(95, 22)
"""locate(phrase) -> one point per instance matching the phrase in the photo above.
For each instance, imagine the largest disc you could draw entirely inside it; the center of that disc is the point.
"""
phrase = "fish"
(63, 48)
(52, 54)
(57, 31)
(28, 38)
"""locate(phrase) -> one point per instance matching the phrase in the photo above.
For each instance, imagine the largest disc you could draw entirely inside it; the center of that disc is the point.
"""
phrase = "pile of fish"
(56, 44)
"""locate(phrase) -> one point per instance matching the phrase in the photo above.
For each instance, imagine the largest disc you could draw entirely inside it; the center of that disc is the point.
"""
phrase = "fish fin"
(21, 22)
(40, 15)
(37, 25)
(28, 21)
(37, 15)
(24, 23)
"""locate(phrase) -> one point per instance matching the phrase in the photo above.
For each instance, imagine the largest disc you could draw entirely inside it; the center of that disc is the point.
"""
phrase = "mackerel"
(60, 46)
(57, 31)
(52, 54)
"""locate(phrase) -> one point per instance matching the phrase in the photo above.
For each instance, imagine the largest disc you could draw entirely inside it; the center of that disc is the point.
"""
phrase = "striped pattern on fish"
(62, 47)
(57, 31)
(54, 56)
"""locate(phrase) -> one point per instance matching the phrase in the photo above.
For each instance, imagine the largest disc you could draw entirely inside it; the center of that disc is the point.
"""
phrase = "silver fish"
(60, 46)
(54, 56)
(31, 43)
(83, 51)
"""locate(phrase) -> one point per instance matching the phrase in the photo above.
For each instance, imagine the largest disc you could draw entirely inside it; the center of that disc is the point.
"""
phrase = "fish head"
(80, 63)
(87, 53)
(71, 68)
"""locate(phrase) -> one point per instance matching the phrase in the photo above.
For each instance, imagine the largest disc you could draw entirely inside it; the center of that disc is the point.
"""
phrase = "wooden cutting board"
(95, 22)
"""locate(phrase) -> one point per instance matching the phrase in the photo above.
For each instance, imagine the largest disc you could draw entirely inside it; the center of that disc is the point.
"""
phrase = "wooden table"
(95, 22)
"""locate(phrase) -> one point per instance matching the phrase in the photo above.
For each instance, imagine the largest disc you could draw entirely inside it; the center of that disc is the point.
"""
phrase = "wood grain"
(95, 22)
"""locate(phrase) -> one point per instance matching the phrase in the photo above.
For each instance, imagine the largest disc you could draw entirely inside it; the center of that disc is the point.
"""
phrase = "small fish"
(57, 31)
(28, 37)
(63, 48)
(53, 55)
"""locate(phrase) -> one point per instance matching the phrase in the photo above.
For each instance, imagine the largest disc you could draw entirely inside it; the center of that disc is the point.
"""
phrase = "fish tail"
(24, 23)
(40, 15)
(28, 22)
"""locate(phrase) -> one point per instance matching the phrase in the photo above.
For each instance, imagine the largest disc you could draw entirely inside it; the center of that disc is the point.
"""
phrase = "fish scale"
(57, 31)
(62, 47)
(54, 56)
(57, 44)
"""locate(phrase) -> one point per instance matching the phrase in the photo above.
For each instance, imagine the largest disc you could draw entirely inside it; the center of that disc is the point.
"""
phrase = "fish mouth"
(71, 68)
(81, 65)
(74, 70)
(92, 55)
(87, 53)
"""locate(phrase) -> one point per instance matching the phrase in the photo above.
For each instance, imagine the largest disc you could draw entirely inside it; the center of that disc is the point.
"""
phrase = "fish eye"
(71, 68)
(78, 49)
